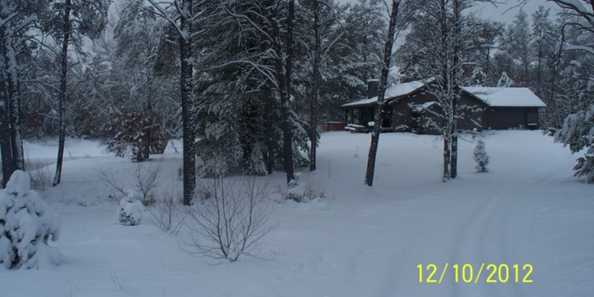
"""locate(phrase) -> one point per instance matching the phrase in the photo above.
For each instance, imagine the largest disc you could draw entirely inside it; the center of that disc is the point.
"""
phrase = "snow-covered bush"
(228, 223)
(27, 226)
(480, 157)
(131, 209)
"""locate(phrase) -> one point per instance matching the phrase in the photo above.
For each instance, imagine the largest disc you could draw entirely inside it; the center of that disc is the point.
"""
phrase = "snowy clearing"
(358, 241)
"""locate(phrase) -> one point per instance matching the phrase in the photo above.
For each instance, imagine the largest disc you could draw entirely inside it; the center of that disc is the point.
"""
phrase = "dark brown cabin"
(411, 107)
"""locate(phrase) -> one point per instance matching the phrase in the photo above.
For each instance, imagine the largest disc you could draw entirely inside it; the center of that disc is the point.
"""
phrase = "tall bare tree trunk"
(457, 64)
(539, 71)
(10, 137)
(446, 91)
(186, 83)
(285, 100)
(553, 106)
(315, 96)
(447, 155)
(63, 93)
(381, 94)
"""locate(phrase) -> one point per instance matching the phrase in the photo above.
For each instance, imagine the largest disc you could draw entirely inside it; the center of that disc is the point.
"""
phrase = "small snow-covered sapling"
(480, 157)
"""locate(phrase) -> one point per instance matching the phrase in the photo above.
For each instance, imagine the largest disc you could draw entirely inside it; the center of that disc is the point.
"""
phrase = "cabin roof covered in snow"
(393, 91)
(506, 97)
(492, 96)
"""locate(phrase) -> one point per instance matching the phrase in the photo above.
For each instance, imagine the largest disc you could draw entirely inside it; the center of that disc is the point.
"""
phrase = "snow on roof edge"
(393, 91)
(492, 96)
(506, 97)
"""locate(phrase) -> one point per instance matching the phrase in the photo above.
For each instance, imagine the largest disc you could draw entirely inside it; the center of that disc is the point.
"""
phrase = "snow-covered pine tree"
(235, 91)
(358, 57)
(542, 45)
(146, 107)
(136, 134)
(480, 43)
(478, 78)
(480, 156)
(242, 118)
(516, 43)
(504, 81)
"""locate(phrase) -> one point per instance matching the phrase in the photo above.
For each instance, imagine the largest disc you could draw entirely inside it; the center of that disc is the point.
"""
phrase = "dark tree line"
(243, 83)
(246, 83)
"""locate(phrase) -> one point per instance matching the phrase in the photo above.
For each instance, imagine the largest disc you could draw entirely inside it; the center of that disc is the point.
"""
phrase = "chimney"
(372, 87)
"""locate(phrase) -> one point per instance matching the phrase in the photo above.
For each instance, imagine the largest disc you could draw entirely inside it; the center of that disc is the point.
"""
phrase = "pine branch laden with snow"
(480, 157)
(584, 167)
(577, 132)
(27, 226)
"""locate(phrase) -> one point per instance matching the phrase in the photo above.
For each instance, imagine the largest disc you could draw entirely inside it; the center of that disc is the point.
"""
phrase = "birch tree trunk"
(457, 64)
(186, 83)
(63, 92)
(315, 96)
(381, 94)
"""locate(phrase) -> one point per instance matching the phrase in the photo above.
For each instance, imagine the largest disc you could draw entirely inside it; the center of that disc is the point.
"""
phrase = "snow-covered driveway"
(360, 241)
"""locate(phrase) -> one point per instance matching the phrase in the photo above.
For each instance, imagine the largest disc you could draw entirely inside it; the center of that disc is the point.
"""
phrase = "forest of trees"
(246, 83)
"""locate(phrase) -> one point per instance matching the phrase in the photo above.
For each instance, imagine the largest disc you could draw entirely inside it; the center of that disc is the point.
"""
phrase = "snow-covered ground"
(357, 242)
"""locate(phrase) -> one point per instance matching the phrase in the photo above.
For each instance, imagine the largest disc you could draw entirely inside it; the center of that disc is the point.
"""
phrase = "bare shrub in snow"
(41, 174)
(41, 179)
(480, 157)
(167, 213)
(109, 180)
(304, 188)
(303, 192)
(146, 179)
(131, 209)
(231, 220)
(26, 226)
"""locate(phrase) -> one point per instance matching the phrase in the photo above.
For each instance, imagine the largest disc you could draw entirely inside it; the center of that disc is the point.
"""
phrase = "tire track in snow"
(471, 245)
